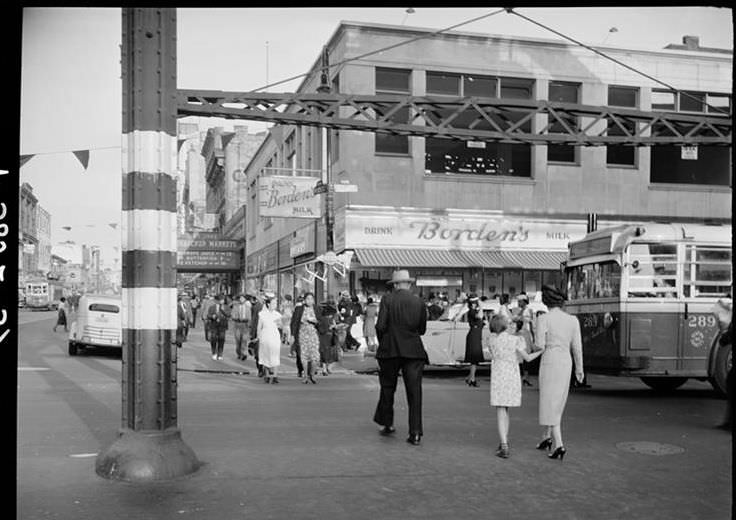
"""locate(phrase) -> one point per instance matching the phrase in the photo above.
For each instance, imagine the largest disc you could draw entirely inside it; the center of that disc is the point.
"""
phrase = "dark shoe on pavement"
(387, 430)
(414, 439)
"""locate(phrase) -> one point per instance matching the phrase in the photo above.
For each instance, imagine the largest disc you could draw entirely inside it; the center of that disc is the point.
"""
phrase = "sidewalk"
(195, 356)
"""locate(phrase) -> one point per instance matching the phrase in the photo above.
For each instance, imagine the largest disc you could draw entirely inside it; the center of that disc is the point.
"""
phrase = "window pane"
(692, 102)
(594, 281)
(652, 270)
(663, 100)
(708, 271)
(622, 96)
(567, 93)
(396, 80)
(478, 158)
(516, 88)
(481, 86)
(720, 103)
(443, 84)
(563, 92)
(713, 166)
(387, 143)
(104, 307)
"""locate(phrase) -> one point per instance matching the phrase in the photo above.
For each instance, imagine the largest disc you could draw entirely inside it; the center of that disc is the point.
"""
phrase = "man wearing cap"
(402, 320)
(241, 315)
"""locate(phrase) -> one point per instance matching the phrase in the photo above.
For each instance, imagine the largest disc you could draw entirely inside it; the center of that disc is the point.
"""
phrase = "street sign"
(689, 153)
(346, 188)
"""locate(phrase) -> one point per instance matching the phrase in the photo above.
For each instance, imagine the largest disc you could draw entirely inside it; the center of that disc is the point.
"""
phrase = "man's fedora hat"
(402, 275)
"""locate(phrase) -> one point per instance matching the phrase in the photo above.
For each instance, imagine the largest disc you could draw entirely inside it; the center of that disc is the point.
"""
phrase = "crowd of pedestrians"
(318, 334)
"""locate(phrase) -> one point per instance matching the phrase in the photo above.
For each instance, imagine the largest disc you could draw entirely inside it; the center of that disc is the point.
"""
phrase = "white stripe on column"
(149, 308)
(153, 230)
(149, 151)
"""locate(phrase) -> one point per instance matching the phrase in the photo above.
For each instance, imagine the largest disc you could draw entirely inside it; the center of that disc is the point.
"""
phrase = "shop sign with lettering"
(302, 242)
(292, 197)
(450, 229)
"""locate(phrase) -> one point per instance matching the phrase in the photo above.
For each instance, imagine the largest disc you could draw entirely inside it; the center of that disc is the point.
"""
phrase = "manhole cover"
(650, 448)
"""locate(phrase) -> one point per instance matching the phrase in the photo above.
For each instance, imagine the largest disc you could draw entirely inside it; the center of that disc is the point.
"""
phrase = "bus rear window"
(708, 271)
(104, 307)
(589, 281)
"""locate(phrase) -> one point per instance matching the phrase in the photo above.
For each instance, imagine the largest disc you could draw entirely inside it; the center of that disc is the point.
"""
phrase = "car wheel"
(723, 361)
(73, 349)
(664, 384)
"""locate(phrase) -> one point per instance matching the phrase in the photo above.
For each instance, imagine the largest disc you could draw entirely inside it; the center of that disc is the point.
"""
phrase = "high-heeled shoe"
(503, 451)
(558, 453)
(311, 380)
(473, 383)
(546, 444)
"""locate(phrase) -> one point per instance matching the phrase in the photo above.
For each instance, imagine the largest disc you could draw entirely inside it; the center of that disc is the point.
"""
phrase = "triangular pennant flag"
(113, 225)
(83, 157)
(25, 158)
(179, 142)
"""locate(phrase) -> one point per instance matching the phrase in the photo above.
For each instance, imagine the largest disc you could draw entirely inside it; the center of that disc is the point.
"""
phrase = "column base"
(144, 456)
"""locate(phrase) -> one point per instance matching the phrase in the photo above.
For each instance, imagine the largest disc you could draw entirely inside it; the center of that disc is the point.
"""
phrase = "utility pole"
(325, 88)
(149, 446)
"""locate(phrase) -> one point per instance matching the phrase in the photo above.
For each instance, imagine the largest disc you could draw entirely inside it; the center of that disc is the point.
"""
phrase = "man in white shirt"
(241, 317)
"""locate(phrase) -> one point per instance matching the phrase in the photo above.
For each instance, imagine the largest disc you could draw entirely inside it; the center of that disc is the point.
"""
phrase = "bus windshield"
(598, 280)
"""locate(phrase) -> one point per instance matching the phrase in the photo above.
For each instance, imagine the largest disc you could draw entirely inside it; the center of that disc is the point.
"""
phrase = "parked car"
(97, 323)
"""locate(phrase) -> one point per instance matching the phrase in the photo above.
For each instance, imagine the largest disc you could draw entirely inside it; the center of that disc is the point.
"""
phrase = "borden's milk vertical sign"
(293, 197)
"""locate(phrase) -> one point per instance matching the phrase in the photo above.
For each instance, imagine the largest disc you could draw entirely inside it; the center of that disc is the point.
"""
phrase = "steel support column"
(149, 446)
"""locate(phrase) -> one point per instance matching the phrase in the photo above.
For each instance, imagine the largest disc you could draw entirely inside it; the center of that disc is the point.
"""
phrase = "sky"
(71, 89)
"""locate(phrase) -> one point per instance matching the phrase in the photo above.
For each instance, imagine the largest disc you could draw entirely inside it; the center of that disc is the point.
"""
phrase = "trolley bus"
(644, 296)
(44, 295)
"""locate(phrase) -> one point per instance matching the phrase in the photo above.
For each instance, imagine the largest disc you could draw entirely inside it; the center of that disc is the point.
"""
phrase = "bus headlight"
(607, 320)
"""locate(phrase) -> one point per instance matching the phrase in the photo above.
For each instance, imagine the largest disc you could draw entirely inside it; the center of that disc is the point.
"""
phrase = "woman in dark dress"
(473, 341)
(328, 349)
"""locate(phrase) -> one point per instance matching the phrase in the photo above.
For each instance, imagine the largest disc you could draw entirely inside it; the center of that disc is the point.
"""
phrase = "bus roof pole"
(149, 446)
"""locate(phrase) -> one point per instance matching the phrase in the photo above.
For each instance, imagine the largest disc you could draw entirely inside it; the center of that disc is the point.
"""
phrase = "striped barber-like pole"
(149, 219)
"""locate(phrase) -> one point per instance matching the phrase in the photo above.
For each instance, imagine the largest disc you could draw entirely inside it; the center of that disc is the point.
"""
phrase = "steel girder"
(464, 118)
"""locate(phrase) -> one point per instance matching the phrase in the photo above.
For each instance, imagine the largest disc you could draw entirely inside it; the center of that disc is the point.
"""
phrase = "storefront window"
(303, 282)
(590, 281)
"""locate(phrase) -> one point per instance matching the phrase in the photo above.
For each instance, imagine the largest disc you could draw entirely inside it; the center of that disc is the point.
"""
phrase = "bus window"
(589, 281)
(653, 270)
(708, 271)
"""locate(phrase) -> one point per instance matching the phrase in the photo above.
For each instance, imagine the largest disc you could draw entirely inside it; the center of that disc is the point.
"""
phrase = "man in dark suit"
(402, 320)
(296, 321)
(217, 316)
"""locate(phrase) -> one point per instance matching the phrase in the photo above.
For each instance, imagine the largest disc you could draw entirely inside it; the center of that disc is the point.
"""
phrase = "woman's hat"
(473, 298)
(551, 295)
(401, 275)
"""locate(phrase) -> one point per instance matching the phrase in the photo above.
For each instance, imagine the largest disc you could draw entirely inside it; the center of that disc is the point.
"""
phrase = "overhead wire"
(384, 49)
(670, 87)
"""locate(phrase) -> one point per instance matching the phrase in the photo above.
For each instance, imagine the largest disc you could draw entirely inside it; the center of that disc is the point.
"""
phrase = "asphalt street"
(294, 451)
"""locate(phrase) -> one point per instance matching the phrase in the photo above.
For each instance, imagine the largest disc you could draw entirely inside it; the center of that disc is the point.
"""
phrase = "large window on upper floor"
(565, 92)
(621, 154)
(713, 164)
(393, 81)
(478, 157)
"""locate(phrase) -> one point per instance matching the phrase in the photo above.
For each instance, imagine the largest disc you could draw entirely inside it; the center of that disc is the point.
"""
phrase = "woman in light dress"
(558, 333)
(269, 340)
(506, 350)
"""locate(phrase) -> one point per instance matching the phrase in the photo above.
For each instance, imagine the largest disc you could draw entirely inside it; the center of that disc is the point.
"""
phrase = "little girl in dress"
(506, 351)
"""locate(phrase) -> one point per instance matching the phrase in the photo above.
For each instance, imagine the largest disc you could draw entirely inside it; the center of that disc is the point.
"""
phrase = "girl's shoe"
(503, 451)
(546, 444)
(558, 453)
(274, 380)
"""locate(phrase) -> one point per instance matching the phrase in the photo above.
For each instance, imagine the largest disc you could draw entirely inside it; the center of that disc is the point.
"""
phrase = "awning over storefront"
(457, 258)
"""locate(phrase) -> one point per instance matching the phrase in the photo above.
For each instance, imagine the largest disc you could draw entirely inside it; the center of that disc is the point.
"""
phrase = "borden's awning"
(457, 258)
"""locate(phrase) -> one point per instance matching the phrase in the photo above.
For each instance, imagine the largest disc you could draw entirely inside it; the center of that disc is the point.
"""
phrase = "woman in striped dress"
(309, 339)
